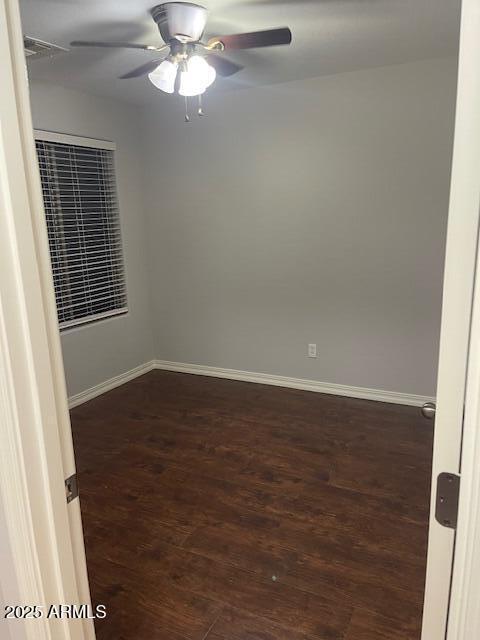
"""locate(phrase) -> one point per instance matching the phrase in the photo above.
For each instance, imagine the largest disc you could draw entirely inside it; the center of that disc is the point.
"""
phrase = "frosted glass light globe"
(198, 76)
(205, 73)
(163, 77)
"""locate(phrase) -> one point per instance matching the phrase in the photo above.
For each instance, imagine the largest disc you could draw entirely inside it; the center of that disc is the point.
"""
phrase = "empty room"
(255, 300)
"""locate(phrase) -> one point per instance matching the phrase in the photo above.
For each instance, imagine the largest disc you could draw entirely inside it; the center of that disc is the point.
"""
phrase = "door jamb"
(464, 612)
(457, 345)
(44, 534)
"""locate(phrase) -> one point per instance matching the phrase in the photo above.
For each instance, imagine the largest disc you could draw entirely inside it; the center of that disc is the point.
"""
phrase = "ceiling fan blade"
(122, 45)
(223, 66)
(143, 69)
(255, 39)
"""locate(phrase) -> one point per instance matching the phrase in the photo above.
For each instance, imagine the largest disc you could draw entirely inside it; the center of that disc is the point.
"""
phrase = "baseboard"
(296, 383)
(379, 395)
(108, 385)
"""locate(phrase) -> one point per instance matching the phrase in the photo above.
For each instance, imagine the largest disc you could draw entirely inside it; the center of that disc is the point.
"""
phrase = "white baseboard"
(108, 385)
(296, 383)
(248, 376)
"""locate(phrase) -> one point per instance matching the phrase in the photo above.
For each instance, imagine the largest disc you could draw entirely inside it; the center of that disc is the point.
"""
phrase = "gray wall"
(311, 211)
(94, 353)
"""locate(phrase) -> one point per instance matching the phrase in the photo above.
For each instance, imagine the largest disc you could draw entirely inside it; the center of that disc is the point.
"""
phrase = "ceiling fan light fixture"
(181, 26)
(163, 77)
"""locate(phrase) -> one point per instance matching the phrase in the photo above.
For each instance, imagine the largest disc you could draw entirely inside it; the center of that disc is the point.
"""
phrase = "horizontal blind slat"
(95, 253)
(77, 281)
(98, 316)
(87, 303)
(94, 257)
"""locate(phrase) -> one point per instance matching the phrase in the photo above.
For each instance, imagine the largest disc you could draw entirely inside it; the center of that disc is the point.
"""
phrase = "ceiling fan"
(181, 26)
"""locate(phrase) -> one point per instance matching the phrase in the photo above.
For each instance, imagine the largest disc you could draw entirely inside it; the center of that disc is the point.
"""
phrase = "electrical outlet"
(312, 350)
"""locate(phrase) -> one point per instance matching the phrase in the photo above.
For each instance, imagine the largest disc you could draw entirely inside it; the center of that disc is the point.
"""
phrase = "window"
(79, 193)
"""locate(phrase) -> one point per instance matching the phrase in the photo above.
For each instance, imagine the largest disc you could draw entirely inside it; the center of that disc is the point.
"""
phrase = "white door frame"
(36, 452)
(457, 348)
(464, 614)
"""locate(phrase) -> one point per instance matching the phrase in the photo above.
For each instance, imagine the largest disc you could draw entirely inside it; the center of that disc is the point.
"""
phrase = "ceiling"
(329, 36)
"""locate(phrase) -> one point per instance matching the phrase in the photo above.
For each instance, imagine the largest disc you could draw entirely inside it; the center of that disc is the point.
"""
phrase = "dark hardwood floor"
(224, 510)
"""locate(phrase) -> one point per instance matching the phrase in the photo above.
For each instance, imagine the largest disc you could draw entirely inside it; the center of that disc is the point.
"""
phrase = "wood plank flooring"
(224, 510)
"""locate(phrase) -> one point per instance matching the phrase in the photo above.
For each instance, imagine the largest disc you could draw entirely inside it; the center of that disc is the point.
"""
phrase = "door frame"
(44, 533)
(457, 353)
(464, 610)
(464, 613)
(35, 455)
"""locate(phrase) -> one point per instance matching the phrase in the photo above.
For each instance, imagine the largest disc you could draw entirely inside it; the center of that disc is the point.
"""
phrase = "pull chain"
(200, 110)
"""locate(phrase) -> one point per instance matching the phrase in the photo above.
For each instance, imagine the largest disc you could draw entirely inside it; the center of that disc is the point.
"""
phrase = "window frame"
(92, 143)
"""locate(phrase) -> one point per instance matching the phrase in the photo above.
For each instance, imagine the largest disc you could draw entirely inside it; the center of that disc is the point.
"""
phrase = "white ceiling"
(329, 36)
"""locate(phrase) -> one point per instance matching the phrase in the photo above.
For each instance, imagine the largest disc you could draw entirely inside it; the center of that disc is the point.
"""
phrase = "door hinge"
(446, 507)
(71, 488)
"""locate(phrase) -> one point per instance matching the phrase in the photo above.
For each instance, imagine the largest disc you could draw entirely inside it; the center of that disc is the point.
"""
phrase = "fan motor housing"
(183, 21)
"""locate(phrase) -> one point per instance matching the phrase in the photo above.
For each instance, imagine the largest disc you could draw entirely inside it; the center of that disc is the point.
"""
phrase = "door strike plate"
(446, 508)
(71, 488)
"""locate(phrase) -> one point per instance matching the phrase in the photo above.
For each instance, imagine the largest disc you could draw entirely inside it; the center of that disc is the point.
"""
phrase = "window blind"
(79, 193)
